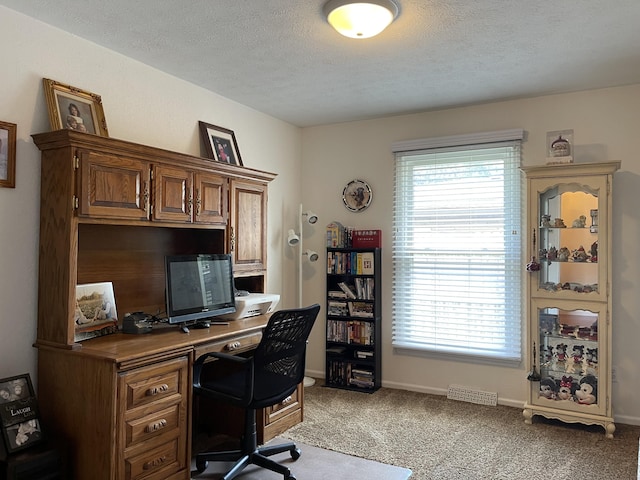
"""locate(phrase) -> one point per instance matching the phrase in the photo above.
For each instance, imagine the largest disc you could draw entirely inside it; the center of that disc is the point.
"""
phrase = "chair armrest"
(224, 357)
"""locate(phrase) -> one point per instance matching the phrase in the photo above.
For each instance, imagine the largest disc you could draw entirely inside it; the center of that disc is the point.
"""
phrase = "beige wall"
(606, 125)
(141, 105)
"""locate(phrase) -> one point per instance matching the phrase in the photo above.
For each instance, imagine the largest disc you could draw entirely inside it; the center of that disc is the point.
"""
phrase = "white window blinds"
(457, 265)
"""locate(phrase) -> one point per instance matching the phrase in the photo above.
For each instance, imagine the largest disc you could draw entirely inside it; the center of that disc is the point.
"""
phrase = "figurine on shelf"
(545, 221)
(561, 352)
(594, 252)
(548, 388)
(587, 393)
(579, 255)
(563, 254)
(592, 357)
(565, 390)
(578, 353)
(559, 223)
(579, 222)
(552, 254)
(548, 354)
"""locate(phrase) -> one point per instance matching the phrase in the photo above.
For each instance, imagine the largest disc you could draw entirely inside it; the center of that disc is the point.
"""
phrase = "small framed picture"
(560, 146)
(220, 143)
(8, 154)
(74, 109)
(95, 313)
(19, 413)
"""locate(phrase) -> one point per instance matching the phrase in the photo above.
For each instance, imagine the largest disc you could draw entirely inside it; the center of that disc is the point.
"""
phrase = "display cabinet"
(569, 293)
(353, 331)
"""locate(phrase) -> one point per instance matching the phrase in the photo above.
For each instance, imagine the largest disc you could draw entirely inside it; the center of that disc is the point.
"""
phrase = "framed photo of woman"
(74, 109)
(8, 154)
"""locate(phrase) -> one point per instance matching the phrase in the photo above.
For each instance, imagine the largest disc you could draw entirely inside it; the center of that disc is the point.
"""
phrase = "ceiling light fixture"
(360, 19)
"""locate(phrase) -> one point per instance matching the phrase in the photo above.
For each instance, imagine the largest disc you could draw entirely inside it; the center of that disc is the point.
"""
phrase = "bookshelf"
(353, 330)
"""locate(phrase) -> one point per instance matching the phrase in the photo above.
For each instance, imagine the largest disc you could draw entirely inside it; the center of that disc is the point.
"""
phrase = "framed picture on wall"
(220, 143)
(19, 413)
(8, 154)
(74, 109)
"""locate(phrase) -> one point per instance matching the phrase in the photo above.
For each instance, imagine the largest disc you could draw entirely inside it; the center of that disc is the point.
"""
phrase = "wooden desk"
(124, 402)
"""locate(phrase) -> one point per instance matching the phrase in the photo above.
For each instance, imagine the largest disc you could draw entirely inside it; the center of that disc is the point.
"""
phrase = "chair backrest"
(279, 359)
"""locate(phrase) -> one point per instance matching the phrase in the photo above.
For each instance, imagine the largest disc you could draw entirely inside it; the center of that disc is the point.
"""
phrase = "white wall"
(606, 125)
(141, 105)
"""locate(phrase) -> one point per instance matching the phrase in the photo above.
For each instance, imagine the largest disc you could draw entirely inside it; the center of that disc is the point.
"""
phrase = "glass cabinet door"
(568, 238)
(571, 353)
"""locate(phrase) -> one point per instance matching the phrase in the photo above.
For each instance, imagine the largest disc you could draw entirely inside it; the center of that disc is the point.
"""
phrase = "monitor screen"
(198, 287)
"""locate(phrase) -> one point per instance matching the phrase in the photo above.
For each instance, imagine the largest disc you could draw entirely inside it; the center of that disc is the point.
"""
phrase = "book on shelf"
(363, 354)
(337, 308)
(366, 238)
(367, 263)
(361, 309)
(347, 289)
(336, 294)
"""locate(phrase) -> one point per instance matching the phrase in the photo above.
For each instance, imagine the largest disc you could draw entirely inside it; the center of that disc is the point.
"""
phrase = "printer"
(252, 304)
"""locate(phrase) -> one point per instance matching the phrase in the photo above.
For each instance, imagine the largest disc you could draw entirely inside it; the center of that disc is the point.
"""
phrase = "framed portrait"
(19, 413)
(220, 143)
(95, 314)
(8, 154)
(74, 109)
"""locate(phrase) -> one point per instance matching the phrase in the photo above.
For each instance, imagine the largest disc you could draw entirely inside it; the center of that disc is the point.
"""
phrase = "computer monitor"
(198, 287)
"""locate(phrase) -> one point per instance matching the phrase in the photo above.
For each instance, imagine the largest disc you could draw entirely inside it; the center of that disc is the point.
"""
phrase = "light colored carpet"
(440, 439)
(314, 464)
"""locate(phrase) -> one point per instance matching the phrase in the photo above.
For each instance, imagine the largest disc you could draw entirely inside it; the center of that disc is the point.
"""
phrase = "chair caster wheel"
(295, 454)
(291, 477)
(201, 465)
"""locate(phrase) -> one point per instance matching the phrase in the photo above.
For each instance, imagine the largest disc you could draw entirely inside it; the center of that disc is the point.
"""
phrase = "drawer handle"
(157, 390)
(154, 463)
(287, 400)
(154, 427)
(233, 345)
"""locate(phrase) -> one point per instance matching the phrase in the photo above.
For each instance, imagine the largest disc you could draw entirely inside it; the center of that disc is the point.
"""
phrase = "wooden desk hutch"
(110, 211)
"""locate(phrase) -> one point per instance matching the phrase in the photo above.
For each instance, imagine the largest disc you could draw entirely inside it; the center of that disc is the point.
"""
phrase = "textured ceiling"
(282, 58)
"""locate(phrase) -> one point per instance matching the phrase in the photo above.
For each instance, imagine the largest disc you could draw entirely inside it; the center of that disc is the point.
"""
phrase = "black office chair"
(266, 378)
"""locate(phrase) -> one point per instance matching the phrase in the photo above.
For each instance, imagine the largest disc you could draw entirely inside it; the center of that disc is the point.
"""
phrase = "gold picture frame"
(8, 154)
(220, 143)
(74, 109)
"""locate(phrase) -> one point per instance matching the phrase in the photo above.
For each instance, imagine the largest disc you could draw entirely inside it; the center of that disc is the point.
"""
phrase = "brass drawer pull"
(233, 345)
(154, 427)
(289, 399)
(157, 390)
(154, 463)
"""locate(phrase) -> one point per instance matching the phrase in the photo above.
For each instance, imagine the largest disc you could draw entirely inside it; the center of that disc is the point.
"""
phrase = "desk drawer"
(233, 345)
(155, 383)
(153, 425)
(155, 464)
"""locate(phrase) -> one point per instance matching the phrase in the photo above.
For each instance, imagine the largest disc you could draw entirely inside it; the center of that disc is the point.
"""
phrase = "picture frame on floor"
(8, 154)
(74, 109)
(220, 143)
(20, 419)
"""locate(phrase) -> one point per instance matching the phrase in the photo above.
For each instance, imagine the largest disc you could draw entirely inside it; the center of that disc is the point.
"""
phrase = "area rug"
(314, 464)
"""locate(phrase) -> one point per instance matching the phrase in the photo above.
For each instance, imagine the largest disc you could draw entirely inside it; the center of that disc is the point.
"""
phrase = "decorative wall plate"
(357, 195)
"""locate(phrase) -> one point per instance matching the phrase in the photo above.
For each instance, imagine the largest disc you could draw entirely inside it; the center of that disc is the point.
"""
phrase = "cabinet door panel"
(247, 236)
(172, 197)
(110, 186)
(210, 199)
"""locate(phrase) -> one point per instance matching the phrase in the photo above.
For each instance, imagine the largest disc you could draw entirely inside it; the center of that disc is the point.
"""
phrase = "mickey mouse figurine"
(587, 394)
(548, 388)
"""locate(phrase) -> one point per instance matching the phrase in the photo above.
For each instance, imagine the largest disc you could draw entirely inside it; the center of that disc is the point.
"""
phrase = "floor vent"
(466, 394)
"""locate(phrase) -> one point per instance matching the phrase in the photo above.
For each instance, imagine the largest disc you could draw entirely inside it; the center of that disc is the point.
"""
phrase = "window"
(457, 266)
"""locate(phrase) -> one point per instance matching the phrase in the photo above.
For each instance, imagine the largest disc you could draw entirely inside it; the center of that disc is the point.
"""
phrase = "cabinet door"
(572, 351)
(248, 226)
(172, 194)
(210, 195)
(110, 186)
